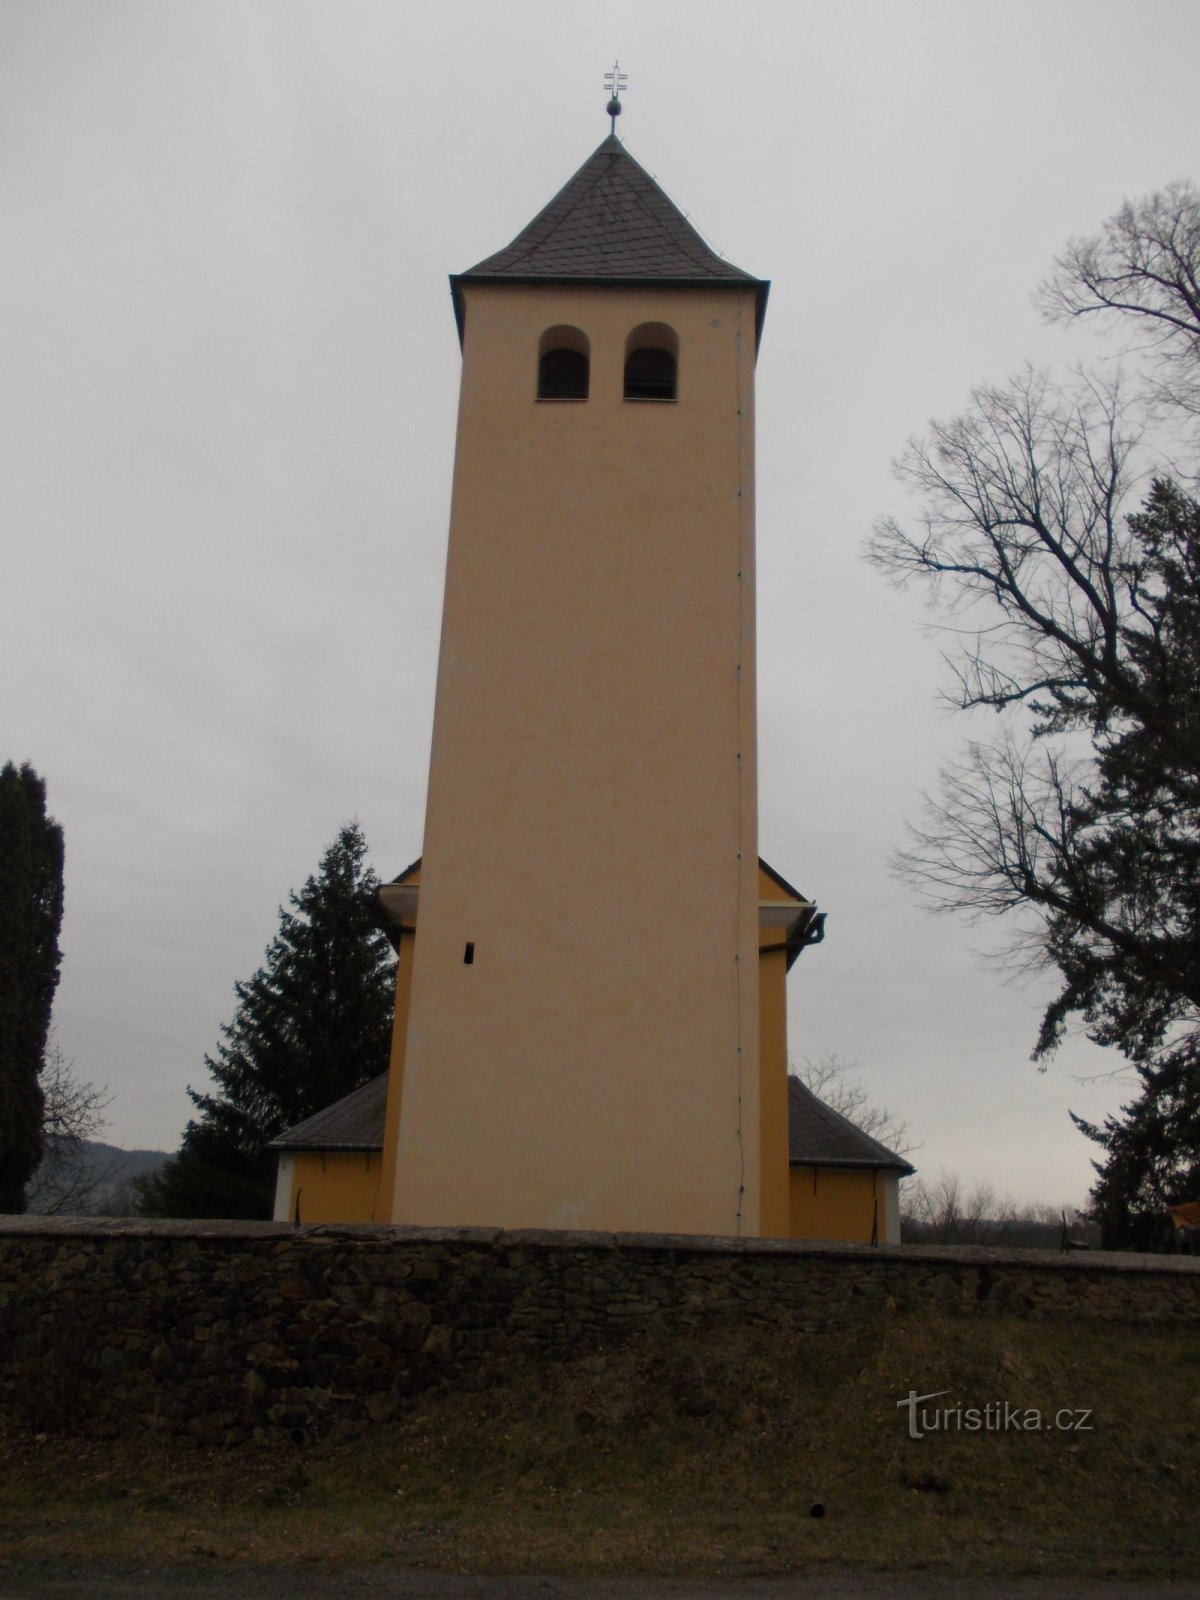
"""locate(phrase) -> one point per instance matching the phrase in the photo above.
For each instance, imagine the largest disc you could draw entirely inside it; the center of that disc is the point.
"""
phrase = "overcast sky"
(228, 379)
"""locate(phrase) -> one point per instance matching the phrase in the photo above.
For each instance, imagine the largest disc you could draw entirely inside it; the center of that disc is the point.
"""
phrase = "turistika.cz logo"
(998, 1416)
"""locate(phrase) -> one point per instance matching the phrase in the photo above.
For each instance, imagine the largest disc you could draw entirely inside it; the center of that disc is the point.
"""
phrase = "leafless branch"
(1142, 269)
(836, 1082)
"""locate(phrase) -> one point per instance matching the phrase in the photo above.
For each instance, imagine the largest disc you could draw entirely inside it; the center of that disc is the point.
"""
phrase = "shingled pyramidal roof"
(609, 224)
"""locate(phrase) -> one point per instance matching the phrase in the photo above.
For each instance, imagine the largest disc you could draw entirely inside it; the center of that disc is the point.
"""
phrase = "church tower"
(581, 1041)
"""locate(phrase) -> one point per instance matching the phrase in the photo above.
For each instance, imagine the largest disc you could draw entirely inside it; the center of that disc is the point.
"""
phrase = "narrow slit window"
(469, 954)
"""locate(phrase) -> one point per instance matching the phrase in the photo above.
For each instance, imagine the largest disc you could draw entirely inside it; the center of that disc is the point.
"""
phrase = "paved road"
(79, 1581)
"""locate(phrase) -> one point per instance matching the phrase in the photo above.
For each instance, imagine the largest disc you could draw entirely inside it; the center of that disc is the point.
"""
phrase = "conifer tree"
(311, 1025)
(1140, 847)
(31, 904)
(1151, 1154)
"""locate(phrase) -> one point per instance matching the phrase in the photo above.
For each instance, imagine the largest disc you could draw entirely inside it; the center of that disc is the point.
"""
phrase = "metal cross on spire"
(614, 82)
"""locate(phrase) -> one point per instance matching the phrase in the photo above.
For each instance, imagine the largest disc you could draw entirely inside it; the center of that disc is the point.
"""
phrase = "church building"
(590, 1017)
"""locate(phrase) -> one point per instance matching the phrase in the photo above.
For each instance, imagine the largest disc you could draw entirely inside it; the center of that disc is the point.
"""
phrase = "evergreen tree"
(31, 904)
(1151, 1155)
(1123, 926)
(311, 1025)
(1140, 849)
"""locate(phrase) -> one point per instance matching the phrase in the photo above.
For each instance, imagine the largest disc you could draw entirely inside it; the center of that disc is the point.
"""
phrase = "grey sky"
(227, 407)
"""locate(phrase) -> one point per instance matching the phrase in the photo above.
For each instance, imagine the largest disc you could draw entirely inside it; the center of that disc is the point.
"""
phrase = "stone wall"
(214, 1333)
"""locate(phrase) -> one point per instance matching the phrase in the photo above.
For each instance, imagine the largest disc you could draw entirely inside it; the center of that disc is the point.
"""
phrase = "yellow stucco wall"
(829, 1203)
(591, 821)
(405, 949)
(329, 1191)
(336, 1186)
(773, 1069)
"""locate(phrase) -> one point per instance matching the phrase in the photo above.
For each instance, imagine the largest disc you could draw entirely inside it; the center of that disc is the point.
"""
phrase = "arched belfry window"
(564, 364)
(652, 362)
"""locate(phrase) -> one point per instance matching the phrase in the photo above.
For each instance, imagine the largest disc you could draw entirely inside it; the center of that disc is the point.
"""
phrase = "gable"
(786, 919)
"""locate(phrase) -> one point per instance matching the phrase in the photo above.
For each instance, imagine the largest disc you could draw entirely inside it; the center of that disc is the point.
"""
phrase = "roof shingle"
(609, 224)
(819, 1136)
(611, 220)
(353, 1123)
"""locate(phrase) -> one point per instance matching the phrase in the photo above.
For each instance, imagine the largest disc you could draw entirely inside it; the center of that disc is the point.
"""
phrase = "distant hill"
(94, 1179)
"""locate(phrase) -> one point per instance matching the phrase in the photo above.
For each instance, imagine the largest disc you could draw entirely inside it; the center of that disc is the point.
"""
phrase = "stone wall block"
(215, 1333)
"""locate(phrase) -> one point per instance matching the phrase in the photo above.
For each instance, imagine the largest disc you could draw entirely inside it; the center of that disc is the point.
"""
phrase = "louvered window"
(652, 363)
(564, 364)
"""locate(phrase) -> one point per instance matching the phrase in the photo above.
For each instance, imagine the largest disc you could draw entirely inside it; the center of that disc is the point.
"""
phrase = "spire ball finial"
(614, 82)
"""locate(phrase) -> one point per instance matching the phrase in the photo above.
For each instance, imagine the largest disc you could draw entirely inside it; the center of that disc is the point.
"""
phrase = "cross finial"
(614, 82)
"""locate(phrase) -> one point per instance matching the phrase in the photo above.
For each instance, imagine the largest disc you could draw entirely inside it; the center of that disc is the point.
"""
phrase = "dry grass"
(686, 1456)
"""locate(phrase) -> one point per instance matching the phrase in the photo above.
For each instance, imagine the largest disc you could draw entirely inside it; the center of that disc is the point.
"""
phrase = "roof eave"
(302, 1146)
(853, 1164)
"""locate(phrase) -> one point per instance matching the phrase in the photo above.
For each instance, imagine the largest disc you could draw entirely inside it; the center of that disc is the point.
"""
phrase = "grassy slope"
(688, 1456)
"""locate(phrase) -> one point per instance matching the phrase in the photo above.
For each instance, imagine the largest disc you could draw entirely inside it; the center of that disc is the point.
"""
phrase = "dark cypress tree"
(31, 904)
(312, 1024)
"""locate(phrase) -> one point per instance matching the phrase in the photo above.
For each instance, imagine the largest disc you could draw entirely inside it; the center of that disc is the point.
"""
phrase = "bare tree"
(1080, 624)
(946, 1211)
(66, 1181)
(836, 1083)
(1020, 539)
(1143, 271)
